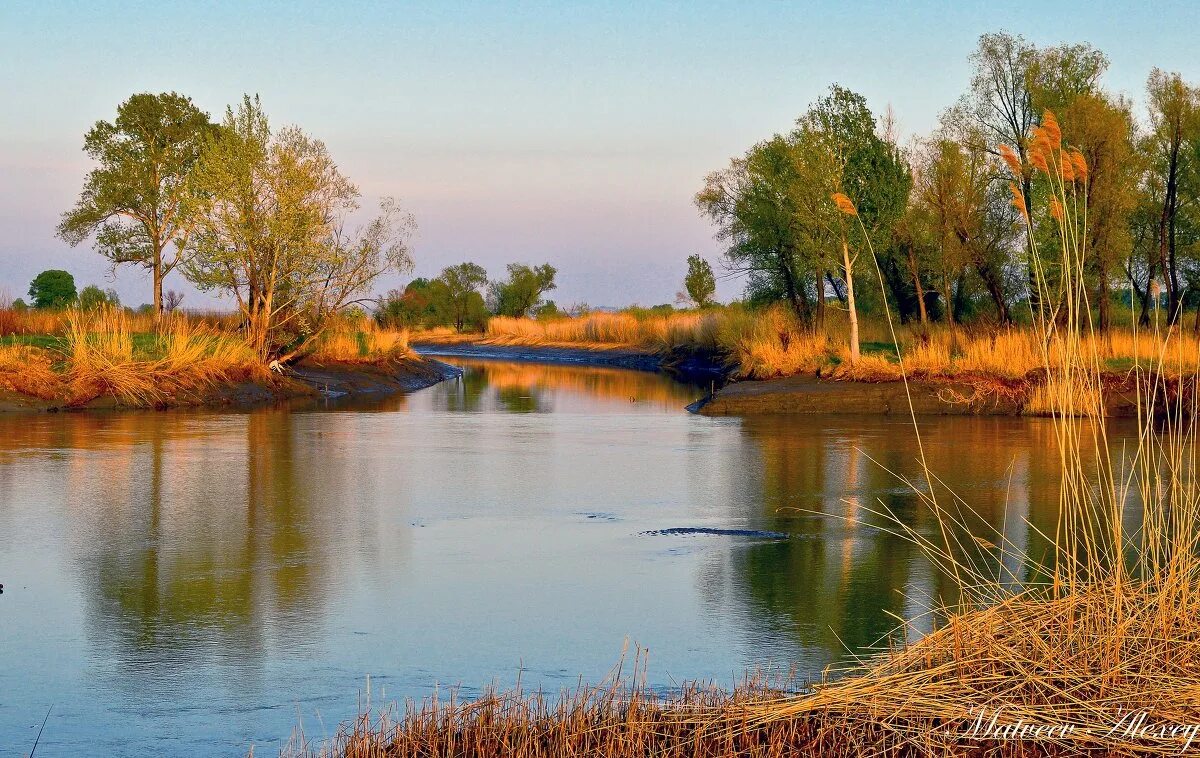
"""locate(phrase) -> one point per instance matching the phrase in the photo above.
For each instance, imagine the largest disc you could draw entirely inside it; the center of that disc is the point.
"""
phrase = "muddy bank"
(810, 395)
(306, 380)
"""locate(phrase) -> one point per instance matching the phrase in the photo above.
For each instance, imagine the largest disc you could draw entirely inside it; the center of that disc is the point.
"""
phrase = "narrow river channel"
(197, 582)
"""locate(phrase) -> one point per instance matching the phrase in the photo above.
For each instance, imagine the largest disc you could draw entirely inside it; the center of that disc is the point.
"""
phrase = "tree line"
(797, 211)
(456, 297)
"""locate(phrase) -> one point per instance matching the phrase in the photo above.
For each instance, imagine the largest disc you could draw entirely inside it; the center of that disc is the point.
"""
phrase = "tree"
(868, 178)
(523, 290)
(1172, 179)
(457, 287)
(700, 283)
(131, 202)
(754, 203)
(950, 202)
(1102, 131)
(1012, 84)
(93, 298)
(53, 289)
(172, 300)
(270, 213)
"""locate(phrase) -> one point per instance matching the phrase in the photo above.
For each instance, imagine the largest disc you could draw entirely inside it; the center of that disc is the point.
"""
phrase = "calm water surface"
(195, 583)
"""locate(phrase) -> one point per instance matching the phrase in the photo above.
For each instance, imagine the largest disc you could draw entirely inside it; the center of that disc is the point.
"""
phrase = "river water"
(198, 582)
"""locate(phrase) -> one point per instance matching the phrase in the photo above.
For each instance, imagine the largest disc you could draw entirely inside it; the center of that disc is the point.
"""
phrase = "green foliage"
(270, 212)
(53, 289)
(547, 311)
(19, 305)
(456, 292)
(700, 283)
(92, 298)
(131, 202)
(523, 290)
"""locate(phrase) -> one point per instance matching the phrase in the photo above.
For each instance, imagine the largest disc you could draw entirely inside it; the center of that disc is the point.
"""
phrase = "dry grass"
(29, 371)
(98, 357)
(131, 357)
(771, 343)
(191, 357)
(361, 341)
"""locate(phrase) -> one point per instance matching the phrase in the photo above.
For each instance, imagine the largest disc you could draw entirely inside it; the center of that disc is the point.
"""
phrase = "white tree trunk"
(854, 350)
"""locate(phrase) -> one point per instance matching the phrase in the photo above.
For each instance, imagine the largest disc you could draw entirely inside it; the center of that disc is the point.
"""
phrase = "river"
(200, 582)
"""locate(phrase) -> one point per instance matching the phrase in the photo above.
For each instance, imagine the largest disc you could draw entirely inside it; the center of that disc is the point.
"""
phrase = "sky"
(569, 133)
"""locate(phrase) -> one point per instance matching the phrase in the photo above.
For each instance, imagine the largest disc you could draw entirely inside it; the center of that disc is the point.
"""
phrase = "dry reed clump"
(619, 720)
(353, 342)
(190, 357)
(1091, 659)
(29, 371)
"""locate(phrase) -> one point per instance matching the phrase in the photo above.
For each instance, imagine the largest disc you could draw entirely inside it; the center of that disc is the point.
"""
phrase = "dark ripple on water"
(693, 530)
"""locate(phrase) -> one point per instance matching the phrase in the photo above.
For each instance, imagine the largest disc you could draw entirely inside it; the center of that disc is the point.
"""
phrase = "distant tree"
(413, 306)
(132, 200)
(547, 311)
(523, 289)
(172, 300)
(92, 298)
(53, 289)
(456, 290)
(700, 283)
(19, 305)
(270, 213)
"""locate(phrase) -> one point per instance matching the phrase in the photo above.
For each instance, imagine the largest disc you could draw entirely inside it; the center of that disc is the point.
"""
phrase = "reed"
(362, 341)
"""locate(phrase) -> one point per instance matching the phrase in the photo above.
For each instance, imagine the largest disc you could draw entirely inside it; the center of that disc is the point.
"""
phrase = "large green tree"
(867, 169)
(270, 215)
(754, 204)
(131, 201)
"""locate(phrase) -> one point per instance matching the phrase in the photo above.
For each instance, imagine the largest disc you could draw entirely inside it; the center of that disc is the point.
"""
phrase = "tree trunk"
(158, 285)
(960, 294)
(1166, 236)
(1142, 295)
(916, 275)
(854, 349)
(949, 306)
(820, 319)
(1103, 312)
(796, 298)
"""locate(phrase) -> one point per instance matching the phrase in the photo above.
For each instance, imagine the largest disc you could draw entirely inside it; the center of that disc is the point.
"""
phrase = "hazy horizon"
(574, 135)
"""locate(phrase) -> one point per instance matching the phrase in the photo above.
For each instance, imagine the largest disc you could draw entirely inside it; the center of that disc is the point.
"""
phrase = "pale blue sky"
(570, 132)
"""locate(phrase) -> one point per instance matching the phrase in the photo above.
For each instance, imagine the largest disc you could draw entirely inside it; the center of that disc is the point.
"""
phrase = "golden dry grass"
(29, 371)
(98, 357)
(191, 357)
(362, 341)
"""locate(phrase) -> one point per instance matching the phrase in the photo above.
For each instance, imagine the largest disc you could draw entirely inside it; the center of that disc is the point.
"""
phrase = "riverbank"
(967, 396)
(308, 379)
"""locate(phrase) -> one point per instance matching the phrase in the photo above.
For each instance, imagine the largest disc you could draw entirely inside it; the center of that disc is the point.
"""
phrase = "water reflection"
(204, 576)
